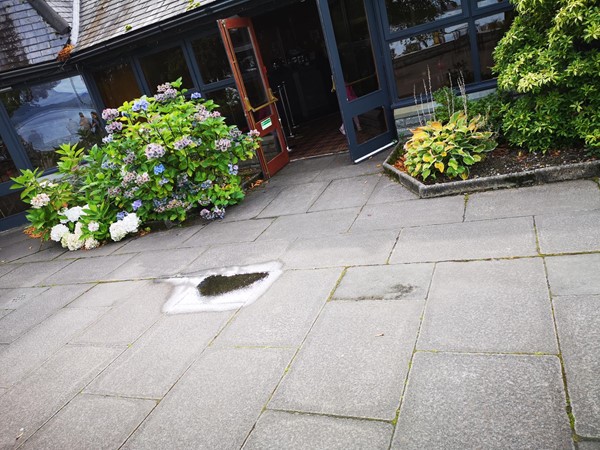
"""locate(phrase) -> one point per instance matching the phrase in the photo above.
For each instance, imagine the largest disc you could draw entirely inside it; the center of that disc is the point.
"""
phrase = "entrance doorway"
(323, 60)
(293, 48)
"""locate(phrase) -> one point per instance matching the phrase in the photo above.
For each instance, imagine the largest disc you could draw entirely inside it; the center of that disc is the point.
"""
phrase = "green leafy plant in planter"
(435, 148)
(162, 157)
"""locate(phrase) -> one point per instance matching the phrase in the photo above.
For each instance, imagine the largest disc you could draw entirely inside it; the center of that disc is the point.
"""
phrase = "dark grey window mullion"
(190, 60)
(470, 6)
(12, 141)
(93, 90)
(139, 76)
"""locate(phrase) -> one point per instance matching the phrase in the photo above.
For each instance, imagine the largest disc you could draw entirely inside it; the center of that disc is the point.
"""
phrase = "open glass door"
(258, 100)
(353, 43)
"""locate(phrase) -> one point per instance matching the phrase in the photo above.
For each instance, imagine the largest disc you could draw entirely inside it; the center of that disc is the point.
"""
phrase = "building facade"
(360, 63)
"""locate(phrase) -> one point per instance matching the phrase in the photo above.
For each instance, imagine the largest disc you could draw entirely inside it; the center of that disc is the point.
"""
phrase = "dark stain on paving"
(223, 284)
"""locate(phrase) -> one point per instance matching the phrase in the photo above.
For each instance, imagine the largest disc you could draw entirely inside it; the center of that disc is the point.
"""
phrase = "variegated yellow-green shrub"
(435, 148)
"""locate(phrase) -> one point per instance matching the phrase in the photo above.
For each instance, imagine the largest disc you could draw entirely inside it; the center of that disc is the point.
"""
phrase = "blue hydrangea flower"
(233, 169)
(196, 95)
(159, 169)
(142, 103)
(136, 205)
(121, 215)
(207, 184)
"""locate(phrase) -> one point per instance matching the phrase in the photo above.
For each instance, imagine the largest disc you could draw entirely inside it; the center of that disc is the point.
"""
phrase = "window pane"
(370, 125)
(7, 166)
(482, 3)
(444, 53)
(11, 204)
(212, 59)
(489, 31)
(165, 66)
(404, 14)
(230, 106)
(117, 85)
(354, 45)
(49, 114)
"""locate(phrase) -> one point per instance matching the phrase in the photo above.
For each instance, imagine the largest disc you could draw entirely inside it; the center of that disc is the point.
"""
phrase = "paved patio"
(458, 322)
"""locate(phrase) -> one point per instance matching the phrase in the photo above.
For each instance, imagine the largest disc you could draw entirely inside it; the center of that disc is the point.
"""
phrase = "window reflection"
(482, 3)
(117, 85)
(165, 66)
(7, 166)
(403, 14)
(212, 59)
(489, 31)
(49, 114)
(230, 106)
(354, 45)
(445, 52)
(11, 204)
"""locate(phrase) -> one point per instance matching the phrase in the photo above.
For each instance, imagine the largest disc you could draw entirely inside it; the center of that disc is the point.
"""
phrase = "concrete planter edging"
(543, 175)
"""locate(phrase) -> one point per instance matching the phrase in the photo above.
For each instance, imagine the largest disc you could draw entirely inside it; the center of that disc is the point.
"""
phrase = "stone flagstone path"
(457, 322)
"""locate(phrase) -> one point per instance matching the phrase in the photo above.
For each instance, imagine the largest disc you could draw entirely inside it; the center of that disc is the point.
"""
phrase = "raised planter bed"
(588, 169)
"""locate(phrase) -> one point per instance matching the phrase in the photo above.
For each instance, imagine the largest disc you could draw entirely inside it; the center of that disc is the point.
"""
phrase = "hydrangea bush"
(162, 157)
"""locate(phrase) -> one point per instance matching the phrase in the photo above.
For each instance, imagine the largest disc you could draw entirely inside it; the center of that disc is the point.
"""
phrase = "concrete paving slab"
(160, 240)
(19, 249)
(284, 314)
(572, 232)
(411, 213)
(294, 200)
(152, 365)
(50, 253)
(483, 401)
(588, 445)
(578, 324)
(255, 201)
(216, 403)
(580, 195)
(90, 421)
(228, 232)
(354, 362)
(323, 223)
(89, 270)
(32, 274)
(16, 298)
(300, 171)
(6, 268)
(38, 309)
(343, 250)
(107, 295)
(5, 312)
(276, 430)
(574, 274)
(32, 402)
(12, 236)
(499, 238)
(389, 191)
(127, 321)
(32, 349)
(398, 282)
(346, 193)
(154, 264)
(242, 254)
(489, 306)
(109, 248)
(341, 166)
(3, 390)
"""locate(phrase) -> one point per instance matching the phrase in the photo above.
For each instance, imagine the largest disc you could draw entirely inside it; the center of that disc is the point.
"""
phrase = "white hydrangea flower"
(117, 231)
(93, 226)
(91, 243)
(78, 229)
(131, 222)
(40, 200)
(58, 231)
(73, 214)
(71, 241)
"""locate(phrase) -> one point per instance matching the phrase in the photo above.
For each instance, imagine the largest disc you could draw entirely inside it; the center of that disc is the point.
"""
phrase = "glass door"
(354, 46)
(258, 100)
